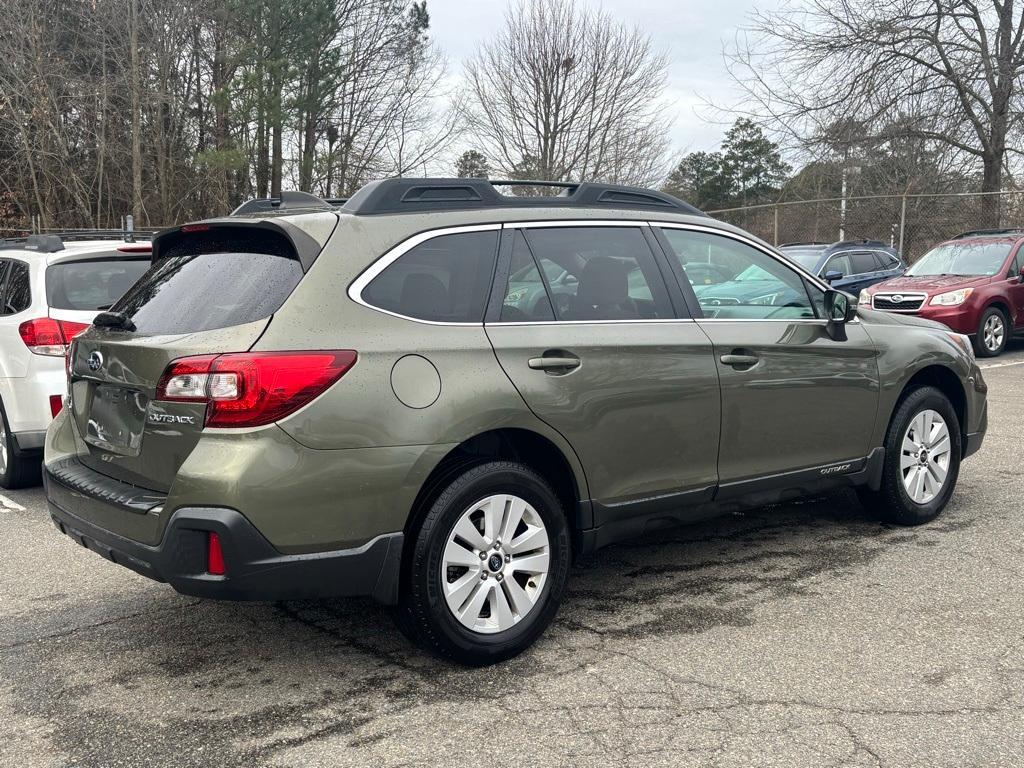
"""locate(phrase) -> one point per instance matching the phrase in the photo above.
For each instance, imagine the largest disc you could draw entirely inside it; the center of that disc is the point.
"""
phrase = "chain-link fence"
(912, 223)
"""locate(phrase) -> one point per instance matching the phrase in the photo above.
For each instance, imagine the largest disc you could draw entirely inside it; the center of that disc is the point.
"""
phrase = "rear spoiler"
(274, 237)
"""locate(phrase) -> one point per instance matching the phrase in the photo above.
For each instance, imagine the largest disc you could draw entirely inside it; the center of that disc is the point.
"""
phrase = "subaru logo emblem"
(897, 298)
(95, 361)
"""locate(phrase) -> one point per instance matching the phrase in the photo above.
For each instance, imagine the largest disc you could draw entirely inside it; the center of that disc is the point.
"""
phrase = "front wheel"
(993, 333)
(922, 460)
(488, 566)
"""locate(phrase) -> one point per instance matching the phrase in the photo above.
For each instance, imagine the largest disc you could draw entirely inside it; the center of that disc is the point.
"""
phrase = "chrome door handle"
(553, 363)
(739, 361)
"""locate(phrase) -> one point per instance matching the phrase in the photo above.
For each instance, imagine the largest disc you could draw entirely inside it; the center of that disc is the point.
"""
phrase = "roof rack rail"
(405, 195)
(807, 242)
(983, 232)
(859, 241)
(290, 201)
(37, 243)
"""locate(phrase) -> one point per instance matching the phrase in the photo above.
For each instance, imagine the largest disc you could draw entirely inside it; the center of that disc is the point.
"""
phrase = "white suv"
(50, 290)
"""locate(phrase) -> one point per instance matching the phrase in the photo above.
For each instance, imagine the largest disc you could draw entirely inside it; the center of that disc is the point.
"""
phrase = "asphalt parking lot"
(801, 634)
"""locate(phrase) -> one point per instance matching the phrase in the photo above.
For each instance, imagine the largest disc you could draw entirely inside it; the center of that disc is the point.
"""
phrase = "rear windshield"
(202, 283)
(92, 285)
(806, 259)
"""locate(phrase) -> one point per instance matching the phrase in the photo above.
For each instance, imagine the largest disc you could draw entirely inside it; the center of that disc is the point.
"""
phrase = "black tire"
(980, 347)
(891, 502)
(423, 614)
(18, 469)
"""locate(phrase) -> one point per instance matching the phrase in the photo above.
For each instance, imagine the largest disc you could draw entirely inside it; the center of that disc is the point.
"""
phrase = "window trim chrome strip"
(357, 286)
(562, 223)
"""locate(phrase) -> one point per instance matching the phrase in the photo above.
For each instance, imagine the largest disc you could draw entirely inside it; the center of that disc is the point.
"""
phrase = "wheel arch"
(1000, 303)
(946, 381)
(526, 446)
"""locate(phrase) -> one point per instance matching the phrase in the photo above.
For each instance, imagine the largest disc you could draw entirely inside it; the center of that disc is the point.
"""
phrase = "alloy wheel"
(993, 332)
(495, 563)
(924, 461)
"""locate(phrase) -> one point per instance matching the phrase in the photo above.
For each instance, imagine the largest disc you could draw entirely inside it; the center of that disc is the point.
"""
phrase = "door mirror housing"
(840, 308)
(832, 275)
(1021, 273)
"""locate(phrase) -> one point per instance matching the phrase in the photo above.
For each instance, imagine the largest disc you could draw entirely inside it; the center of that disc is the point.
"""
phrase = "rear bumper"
(255, 569)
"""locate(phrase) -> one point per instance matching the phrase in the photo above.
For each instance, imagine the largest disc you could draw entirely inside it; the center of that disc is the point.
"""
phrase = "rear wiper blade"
(114, 320)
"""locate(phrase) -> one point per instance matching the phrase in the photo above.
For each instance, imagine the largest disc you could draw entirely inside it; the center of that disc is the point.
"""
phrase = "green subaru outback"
(439, 394)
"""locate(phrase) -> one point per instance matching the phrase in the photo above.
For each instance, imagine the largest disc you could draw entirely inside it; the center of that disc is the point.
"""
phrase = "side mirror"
(1022, 271)
(840, 308)
(832, 275)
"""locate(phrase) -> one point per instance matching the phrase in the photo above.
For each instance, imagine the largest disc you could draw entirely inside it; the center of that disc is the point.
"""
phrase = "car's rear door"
(793, 397)
(604, 358)
(211, 290)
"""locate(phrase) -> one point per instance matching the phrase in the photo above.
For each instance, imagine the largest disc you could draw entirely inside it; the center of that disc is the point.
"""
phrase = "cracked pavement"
(799, 634)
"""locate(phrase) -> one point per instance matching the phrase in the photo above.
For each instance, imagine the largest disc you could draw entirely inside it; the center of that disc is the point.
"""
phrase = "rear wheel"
(488, 566)
(993, 333)
(922, 460)
(17, 469)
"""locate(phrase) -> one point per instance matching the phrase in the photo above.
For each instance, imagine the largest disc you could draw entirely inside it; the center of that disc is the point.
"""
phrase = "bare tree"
(563, 92)
(948, 71)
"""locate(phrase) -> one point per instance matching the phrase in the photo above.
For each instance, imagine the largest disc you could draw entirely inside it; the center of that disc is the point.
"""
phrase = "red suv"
(973, 283)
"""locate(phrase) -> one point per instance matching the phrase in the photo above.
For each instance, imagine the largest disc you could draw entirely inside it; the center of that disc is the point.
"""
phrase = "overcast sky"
(691, 32)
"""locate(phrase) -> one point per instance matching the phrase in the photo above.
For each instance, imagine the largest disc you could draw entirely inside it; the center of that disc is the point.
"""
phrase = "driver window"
(756, 286)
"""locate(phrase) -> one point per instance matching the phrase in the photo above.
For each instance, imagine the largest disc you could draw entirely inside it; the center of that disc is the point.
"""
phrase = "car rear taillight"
(251, 389)
(46, 336)
(214, 555)
(56, 403)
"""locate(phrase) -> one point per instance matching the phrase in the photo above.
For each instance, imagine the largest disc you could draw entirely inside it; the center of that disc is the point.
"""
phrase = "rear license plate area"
(117, 419)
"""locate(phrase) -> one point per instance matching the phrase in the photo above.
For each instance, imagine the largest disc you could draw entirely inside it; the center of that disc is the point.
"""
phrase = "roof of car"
(842, 245)
(1008, 235)
(55, 248)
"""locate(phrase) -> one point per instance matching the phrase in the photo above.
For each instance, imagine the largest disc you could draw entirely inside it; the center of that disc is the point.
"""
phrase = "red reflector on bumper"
(214, 555)
(56, 403)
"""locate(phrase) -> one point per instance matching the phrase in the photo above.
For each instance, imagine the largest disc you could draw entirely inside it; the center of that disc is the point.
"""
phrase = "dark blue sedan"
(849, 266)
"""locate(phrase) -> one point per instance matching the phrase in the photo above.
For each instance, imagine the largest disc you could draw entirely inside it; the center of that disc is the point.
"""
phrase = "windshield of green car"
(966, 259)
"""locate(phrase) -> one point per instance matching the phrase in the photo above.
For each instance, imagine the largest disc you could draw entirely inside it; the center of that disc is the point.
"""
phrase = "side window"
(600, 273)
(526, 298)
(17, 294)
(886, 260)
(839, 263)
(862, 261)
(1018, 262)
(762, 288)
(4, 267)
(445, 279)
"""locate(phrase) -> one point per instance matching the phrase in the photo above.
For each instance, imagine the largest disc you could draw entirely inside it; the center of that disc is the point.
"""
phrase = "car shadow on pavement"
(263, 678)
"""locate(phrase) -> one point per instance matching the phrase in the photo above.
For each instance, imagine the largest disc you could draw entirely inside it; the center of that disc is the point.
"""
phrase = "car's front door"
(599, 353)
(1015, 287)
(794, 396)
